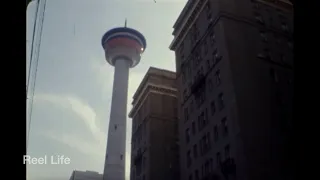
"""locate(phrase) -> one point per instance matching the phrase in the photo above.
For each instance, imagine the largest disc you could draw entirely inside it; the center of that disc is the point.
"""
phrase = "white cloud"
(89, 117)
(81, 109)
(73, 141)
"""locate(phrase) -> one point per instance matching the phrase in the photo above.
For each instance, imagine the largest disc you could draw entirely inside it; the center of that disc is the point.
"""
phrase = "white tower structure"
(123, 48)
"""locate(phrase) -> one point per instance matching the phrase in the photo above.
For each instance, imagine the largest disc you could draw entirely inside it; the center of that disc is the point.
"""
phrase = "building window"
(284, 27)
(216, 133)
(218, 77)
(205, 143)
(259, 18)
(183, 74)
(121, 157)
(202, 121)
(195, 151)
(202, 170)
(211, 164)
(212, 39)
(191, 106)
(181, 48)
(263, 36)
(290, 44)
(227, 151)
(205, 47)
(185, 95)
(208, 65)
(206, 168)
(186, 114)
(278, 39)
(115, 127)
(195, 33)
(274, 75)
(208, 140)
(283, 58)
(210, 84)
(193, 127)
(182, 57)
(196, 174)
(144, 161)
(218, 158)
(200, 97)
(206, 116)
(216, 56)
(220, 101)
(213, 108)
(208, 11)
(187, 135)
(189, 158)
(224, 126)
(201, 147)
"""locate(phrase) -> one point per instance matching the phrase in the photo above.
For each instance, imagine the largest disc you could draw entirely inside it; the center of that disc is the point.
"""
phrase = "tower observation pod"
(123, 49)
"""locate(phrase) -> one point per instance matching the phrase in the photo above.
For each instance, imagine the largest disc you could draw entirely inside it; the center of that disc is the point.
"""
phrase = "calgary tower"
(123, 48)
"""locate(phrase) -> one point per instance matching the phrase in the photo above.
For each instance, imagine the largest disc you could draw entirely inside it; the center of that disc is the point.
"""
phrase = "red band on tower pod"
(125, 42)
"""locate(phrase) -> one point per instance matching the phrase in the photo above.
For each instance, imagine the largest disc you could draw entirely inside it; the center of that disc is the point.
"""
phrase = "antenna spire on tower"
(125, 23)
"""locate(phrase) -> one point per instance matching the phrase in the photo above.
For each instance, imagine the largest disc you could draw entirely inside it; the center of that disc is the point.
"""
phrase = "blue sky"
(73, 91)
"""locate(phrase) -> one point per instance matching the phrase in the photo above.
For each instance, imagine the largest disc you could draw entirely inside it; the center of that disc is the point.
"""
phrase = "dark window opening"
(284, 27)
(205, 46)
(115, 127)
(227, 151)
(221, 101)
(218, 158)
(196, 174)
(259, 19)
(264, 36)
(224, 126)
(274, 75)
(189, 161)
(212, 39)
(218, 77)
(193, 127)
(213, 108)
(216, 133)
(195, 151)
(186, 114)
(187, 135)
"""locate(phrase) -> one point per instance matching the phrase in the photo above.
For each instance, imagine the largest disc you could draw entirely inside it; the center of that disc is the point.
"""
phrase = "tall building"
(154, 145)
(85, 175)
(123, 48)
(234, 63)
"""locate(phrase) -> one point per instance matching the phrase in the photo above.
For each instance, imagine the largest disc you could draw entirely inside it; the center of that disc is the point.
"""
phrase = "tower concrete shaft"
(123, 48)
(114, 168)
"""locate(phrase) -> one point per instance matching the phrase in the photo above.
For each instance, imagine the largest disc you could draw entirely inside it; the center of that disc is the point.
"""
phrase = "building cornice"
(152, 72)
(284, 5)
(151, 88)
(185, 21)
